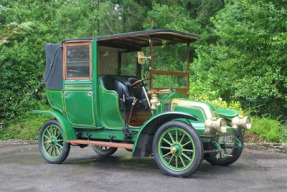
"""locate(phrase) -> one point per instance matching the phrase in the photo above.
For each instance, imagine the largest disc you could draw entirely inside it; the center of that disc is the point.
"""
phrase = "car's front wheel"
(51, 143)
(177, 149)
(229, 155)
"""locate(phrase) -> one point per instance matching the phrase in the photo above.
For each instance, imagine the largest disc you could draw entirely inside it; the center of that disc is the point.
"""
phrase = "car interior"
(123, 87)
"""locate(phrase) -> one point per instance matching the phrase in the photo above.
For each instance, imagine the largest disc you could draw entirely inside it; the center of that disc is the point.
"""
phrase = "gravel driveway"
(23, 169)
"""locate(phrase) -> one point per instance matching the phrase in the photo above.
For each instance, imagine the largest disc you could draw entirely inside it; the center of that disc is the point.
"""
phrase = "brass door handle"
(90, 93)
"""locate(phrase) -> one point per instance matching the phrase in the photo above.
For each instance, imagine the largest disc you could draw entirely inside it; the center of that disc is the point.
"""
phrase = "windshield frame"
(153, 72)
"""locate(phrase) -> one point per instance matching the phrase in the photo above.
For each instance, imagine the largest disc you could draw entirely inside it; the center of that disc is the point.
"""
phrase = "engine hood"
(202, 110)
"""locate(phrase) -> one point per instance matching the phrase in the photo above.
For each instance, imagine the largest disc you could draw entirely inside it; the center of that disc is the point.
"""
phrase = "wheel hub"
(53, 141)
(176, 149)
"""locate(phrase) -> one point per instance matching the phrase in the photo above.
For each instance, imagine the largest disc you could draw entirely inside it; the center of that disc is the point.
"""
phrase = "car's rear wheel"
(104, 151)
(51, 142)
(229, 155)
(177, 149)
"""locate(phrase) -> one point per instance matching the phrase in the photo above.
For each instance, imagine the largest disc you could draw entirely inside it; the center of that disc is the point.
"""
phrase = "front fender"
(143, 142)
(68, 132)
(227, 113)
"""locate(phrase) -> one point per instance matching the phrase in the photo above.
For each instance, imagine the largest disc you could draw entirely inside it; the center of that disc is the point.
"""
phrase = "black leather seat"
(123, 87)
(138, 92)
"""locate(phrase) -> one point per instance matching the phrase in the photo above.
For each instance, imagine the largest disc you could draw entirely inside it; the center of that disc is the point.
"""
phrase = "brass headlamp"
(217, 124)
(243, 122)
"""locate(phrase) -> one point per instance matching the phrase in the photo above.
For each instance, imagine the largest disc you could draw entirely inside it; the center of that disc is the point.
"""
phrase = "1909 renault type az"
(130, 91)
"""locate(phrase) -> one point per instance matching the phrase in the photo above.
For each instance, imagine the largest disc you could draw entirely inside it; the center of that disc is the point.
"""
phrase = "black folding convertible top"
(141, 38)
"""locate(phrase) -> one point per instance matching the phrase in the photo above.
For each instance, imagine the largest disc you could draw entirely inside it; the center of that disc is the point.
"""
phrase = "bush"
(284, 133)
(269, 129)
(265, 127)
(26, 128)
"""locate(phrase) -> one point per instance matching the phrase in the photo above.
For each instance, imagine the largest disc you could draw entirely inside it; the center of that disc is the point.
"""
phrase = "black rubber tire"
(104, 153)
(198, 155)
(236, 153)
(65, 149)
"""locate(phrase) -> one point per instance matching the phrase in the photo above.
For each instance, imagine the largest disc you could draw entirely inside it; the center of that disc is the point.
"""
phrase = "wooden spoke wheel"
(177, 149)
(51, 143)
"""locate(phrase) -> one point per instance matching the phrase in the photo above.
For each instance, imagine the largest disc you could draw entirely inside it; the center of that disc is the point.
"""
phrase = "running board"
(102, 143)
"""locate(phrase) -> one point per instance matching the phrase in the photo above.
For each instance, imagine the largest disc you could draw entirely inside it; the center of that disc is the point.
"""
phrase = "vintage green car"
(106, 93)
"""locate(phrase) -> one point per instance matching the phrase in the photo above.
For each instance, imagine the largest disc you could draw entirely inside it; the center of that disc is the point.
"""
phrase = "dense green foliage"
(22, 52)
(240, 57)
(27, 128)
(269, 129)
(247, 63)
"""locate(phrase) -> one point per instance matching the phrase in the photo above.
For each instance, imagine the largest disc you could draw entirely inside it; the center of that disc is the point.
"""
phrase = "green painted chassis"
(110, 125)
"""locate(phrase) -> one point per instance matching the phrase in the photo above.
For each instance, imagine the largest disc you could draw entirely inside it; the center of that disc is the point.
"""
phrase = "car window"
(78, 61)
(117, 62)
(128, 64)
(108, 60)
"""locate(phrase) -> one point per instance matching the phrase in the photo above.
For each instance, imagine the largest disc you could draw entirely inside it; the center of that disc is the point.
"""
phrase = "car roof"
(141, 38)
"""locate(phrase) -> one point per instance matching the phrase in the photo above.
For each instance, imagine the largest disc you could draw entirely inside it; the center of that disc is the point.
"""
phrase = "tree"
(170, 16)
(248, 61)
(22, 55)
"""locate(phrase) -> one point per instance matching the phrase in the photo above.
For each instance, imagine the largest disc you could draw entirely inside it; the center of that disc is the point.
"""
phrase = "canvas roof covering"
(141, 38)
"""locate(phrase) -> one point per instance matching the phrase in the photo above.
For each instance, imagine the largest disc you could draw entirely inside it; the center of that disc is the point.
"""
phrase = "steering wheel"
(139, 81)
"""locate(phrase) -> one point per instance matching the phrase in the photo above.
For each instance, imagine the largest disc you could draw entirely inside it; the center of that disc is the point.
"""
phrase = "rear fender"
(143, 142)
(68, 132)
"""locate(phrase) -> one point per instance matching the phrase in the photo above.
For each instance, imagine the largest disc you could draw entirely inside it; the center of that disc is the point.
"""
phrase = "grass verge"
(25, 128)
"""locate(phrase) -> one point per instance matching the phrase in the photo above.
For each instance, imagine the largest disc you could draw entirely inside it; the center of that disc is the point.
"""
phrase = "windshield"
(169, 68)
(170, 58)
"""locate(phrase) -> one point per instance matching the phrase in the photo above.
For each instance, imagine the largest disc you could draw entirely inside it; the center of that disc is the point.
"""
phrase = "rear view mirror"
(142, 58)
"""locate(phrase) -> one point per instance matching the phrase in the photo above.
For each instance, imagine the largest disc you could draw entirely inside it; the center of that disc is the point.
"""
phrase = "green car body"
(89, 108)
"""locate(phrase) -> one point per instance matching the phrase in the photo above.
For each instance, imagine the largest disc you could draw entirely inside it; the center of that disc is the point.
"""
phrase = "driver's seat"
(124, 88)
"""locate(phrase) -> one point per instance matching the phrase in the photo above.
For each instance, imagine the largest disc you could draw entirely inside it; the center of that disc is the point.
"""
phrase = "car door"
(78, 89)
